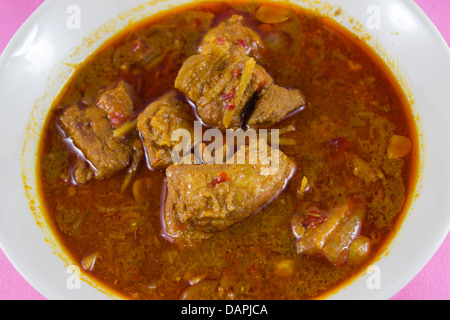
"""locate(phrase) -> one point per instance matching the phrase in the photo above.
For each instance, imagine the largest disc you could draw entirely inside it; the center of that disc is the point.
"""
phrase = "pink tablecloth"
(433, 282)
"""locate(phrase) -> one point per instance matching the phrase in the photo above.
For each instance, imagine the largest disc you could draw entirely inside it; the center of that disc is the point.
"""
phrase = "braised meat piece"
(204, 199)
(220, 82)
(328, 234)
(156, 125)
(234, 32)
(93, 135)
(274, 104)
(118, 102)
(224, 78)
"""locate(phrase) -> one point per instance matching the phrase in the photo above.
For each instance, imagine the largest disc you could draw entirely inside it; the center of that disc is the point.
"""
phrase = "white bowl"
(40, 58)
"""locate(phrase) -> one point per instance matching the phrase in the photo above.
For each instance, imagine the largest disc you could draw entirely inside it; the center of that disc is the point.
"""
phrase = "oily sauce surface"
(353, 107)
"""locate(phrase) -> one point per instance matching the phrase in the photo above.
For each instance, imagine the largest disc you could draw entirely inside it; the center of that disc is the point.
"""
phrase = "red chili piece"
(223, 177)
(219, 41)
(230, 106)
(243, 43)
(230, 95)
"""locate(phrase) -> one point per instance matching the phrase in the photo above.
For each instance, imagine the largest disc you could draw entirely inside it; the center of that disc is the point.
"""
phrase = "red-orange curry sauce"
(354, 108)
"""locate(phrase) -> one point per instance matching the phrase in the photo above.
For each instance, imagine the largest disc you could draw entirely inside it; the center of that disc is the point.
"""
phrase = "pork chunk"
(93, 135)
(274, 104)
(204, 199)
(156, 125)
(220, 82)
(234, 32)
(225, 77)
(118, 102)
(328, 234)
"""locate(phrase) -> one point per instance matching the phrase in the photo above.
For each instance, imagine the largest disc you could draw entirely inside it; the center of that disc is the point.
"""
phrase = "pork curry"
(148, 227)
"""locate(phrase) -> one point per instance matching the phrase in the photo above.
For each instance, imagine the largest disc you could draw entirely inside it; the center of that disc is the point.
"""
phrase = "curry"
(149, 227)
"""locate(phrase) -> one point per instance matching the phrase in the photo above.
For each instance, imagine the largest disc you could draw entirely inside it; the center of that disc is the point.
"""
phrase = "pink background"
(432, 283)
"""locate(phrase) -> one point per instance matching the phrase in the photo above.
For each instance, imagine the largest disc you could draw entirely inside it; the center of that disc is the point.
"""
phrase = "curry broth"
(354, 105)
